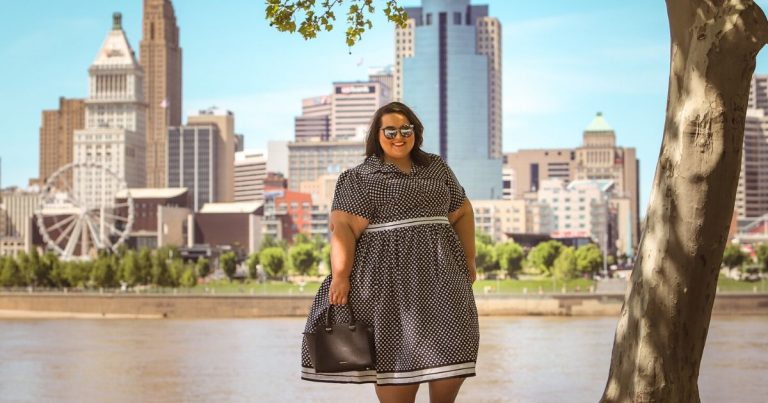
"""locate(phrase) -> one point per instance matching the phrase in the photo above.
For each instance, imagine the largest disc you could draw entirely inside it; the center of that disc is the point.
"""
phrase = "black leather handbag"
(342, 346)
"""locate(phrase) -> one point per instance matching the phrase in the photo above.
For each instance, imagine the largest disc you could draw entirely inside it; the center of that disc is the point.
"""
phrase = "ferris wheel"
(84, 207)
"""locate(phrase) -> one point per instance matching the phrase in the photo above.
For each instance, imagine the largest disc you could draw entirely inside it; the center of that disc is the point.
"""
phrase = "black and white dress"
(409, 279)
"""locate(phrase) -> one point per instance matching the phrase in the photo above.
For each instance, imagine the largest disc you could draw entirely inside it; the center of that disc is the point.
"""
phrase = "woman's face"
(398, 147)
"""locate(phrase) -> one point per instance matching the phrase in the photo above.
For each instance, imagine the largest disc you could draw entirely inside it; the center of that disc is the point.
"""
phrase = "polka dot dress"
(409, 278)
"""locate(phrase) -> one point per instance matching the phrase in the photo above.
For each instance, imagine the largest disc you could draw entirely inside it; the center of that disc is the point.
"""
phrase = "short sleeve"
(350, 196)
(455, 190)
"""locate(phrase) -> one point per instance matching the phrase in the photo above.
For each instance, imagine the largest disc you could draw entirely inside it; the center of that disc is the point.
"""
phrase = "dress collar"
(375, 164)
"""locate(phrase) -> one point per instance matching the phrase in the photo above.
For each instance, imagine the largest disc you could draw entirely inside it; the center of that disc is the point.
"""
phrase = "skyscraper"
(57, 135)
(449, 69)
(250, 171)
(224, 120)
(114, 135)
(752, 191)
(161, 58)
(193, 161)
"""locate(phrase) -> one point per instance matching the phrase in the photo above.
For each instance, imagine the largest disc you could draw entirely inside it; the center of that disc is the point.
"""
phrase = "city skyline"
(562, 63)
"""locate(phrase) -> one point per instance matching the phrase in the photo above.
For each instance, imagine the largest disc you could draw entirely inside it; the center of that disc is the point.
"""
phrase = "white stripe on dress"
(423, 375)
(407, 223)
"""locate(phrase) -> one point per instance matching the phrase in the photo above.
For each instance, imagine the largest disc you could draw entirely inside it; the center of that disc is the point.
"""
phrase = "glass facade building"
(447, 83)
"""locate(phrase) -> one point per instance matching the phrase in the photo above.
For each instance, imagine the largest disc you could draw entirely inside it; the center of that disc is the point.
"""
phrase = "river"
(522, 359)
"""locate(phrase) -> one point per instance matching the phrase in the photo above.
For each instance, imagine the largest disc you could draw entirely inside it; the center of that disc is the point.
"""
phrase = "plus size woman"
(402, 255)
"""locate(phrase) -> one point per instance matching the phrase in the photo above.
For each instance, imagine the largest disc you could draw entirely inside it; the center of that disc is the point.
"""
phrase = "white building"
(352, 106)
(308, 161)
(580, 209)
(115, 116)
(277, 157)
(250, 171)
(500, 217)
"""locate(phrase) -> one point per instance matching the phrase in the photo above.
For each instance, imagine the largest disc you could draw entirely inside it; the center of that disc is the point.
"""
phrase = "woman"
(402, 255)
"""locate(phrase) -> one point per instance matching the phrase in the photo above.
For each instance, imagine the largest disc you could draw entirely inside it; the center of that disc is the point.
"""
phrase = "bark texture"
(663, 326)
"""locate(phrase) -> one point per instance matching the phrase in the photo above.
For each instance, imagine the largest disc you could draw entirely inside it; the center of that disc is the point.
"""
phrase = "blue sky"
(563, 61)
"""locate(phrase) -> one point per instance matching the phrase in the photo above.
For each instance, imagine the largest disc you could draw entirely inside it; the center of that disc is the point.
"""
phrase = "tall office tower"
(115, 113)
(352, 105)
(404, 47)
(161, 59)
(225, 158)
(599, 158)
(193, 161)
(752, 192)
(758, 92)
(250, 171)
(19, 207)
(57, 135)
(451, 85)
(489, 44)
(314, 124)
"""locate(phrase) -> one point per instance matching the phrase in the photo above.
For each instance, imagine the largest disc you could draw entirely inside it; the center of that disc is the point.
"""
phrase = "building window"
(456, 18)
(429, 18)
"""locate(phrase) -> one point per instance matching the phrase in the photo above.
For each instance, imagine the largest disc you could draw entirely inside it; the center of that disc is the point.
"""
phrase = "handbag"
(342, 346)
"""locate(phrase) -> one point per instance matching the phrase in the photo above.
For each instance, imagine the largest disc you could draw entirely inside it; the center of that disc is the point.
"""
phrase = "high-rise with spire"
(160, 56)
(115, 113)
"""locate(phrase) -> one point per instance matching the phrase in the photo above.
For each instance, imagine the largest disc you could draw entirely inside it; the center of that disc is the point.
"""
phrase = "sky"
(563, 61)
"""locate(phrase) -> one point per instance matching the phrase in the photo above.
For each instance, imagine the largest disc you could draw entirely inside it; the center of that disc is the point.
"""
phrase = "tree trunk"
(664, 321)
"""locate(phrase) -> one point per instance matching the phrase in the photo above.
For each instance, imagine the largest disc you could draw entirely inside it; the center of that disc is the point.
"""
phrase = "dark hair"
(372, 145)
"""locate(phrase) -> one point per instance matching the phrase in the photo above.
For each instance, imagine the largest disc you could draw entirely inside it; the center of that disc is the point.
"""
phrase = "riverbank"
(121, 306)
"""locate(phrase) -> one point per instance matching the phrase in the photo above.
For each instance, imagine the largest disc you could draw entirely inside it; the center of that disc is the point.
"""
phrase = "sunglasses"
(405, 131)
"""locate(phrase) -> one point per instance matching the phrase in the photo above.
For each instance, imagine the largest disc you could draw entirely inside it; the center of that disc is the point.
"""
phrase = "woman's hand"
(339, 291)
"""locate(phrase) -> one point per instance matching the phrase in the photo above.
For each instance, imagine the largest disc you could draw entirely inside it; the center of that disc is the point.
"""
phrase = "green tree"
(159, 271)
(268, 242)
(188, 277)
(25, 263)
(733, 257)
(144, 267)
(228, 263)
(11, 275)
(37, 270)
(252, 263)
(318, 241)
(326, 256)
(55, 268)
(130, 271)
(485, 259)
(300, 239)
(510, 256)
(77, 273)
(273, 261)
(203, 267)
(564, 267)
(482, 237)
(175, 271)
(589, 259)
(542, 256)
(282, 14)
(303, 257)
(103, 274)
(762, 256)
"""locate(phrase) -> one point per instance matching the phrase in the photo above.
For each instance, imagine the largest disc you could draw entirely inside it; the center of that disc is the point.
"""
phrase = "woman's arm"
(463, 222)
(346, 228)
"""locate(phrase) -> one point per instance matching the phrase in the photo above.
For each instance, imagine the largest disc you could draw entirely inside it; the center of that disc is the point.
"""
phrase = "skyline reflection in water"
(522, 359)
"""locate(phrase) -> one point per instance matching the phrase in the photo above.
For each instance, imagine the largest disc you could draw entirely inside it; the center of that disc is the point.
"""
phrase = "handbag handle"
(328, 326)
